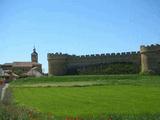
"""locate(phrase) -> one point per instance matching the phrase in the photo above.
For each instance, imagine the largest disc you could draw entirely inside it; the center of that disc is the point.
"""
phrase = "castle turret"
(57, 64)
(34, 56)
(150, 59)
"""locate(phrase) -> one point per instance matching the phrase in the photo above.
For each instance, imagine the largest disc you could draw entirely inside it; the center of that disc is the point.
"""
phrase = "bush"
(113, 68)
(149, 72)
(14, 112)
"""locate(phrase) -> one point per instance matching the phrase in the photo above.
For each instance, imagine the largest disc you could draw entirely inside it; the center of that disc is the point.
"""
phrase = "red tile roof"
(24, 64)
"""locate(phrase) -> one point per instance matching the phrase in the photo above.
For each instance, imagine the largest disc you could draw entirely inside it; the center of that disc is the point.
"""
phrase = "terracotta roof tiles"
(24, 64)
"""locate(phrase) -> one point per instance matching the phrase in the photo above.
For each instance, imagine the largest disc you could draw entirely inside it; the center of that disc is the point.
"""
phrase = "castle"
(147, 60)
(21, 68)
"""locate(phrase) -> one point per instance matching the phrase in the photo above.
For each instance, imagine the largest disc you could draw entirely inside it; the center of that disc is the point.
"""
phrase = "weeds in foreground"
(13, 112)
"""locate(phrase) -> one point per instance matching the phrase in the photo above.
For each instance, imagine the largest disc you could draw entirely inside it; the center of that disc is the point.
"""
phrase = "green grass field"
(122, 94)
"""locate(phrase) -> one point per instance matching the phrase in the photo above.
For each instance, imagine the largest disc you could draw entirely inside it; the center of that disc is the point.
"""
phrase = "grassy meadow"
(91, 96)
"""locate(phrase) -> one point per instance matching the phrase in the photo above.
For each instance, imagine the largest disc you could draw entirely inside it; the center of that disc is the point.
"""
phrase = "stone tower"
(150, 59)
(34, 56)
(57, 64)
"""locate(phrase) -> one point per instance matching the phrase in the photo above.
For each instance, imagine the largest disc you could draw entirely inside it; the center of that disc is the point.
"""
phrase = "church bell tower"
(34, 56)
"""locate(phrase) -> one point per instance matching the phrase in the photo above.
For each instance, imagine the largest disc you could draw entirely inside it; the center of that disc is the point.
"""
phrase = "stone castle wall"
(104, 58)
(59, 63)
(148, 59)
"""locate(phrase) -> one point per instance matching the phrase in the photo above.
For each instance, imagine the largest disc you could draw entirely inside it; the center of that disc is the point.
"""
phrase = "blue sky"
(76, 27)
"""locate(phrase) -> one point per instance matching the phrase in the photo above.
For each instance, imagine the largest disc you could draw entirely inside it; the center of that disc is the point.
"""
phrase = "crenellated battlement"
(149, 48)
(60, 64)
(61, 55)
(150, 59)
(56, 56)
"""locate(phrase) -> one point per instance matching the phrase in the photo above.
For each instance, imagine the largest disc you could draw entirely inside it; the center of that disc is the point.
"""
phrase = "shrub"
(149, 72)
(113, 68)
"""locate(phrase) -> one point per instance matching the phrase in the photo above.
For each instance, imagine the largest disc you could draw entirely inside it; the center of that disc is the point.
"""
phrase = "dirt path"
(1, 86)
(3, 90)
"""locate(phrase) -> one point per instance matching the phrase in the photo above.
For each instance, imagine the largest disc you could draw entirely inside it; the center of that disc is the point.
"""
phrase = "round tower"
(150, 59)
(34, 56)
(57, 64)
